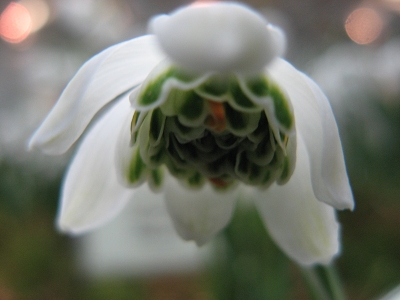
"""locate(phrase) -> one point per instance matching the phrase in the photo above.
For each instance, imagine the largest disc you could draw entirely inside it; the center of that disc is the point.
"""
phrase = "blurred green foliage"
(36, 262)
(251, 266)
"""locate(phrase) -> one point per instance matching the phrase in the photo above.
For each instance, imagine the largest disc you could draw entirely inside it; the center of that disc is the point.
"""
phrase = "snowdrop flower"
(202, 110)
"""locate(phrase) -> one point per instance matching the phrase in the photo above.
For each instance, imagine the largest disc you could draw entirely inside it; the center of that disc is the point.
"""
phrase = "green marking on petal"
(255, 173)
(228, 141)
(222, 131)
(176, 153)
(242, 167)
(266, 179)
(152, 92)
(240, 100)
(187, 105)
(182, 133)
(157, 159)
(275, 162)
(174, 99)
(264, 153)
(240, 123)
(137, 168)
(157, 122)
(285, 171)
(196, 180)
(183, 130)
(181, 75)
(261, 131)
(136, 122)
(156, 178)
(216, 86)
(258, 86)
(282, 109)
(192, 107)
(235, 119)
(134, 137)
(177, 171)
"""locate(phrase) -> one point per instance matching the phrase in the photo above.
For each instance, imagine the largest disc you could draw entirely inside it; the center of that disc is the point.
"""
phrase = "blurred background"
(351, 48)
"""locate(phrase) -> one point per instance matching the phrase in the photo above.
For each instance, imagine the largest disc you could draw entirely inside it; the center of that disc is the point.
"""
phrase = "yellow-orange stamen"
(216, 120)
(218, 182)
(285, 140)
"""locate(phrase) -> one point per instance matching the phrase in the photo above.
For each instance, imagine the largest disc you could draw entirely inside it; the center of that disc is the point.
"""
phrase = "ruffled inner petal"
(222, 128)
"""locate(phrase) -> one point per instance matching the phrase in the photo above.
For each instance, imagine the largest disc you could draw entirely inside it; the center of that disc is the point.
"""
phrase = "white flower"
(214, 113)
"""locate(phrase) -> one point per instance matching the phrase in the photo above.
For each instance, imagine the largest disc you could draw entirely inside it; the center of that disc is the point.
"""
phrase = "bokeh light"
(15, 23)
(39, 11)
(364, 25)
(203, 3)
(20, 19)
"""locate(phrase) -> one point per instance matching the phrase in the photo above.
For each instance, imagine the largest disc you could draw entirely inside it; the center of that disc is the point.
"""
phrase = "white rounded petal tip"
(305, 228)
(316, 125)
(218, 37)
(198, 215)
(91, 194)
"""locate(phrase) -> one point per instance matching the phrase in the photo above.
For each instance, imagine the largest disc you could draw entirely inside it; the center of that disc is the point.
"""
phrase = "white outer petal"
(99, 81)
(198, 214)
(305, 228)
(217, 37)
(316, 125)
(91, 194)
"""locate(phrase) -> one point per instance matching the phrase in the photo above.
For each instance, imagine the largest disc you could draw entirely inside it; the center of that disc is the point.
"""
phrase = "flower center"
(208, 129)
(216, 120)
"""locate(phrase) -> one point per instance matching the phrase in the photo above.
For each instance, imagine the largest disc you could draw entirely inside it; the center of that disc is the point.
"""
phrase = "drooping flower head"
(208, 112)
(205, 110)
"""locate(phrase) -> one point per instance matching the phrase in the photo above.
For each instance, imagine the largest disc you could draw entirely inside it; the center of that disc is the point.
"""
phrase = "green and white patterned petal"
(131, 169)
(264, 92)
(305, 228)
(238, 99)
(316, 125)
(215, 88)
(164, 78)
(240, 123)
(92, 88)
(289, 163)
(91, 194)
(183, 133)
(201, 213)
(139, 163)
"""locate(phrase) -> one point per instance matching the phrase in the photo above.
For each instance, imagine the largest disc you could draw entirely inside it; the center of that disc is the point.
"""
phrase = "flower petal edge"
(91, 194)
(198, 214)
(305, 228)
(92, 88)
(316, 125)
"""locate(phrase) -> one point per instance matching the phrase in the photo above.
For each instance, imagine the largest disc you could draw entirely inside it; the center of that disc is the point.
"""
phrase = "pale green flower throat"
(223, 129)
